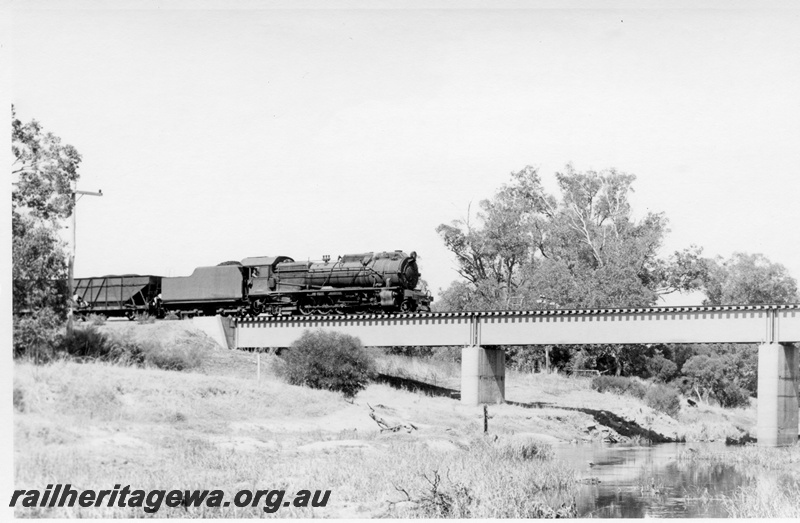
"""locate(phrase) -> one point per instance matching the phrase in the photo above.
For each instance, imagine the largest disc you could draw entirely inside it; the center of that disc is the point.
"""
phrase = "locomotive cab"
(262, 273)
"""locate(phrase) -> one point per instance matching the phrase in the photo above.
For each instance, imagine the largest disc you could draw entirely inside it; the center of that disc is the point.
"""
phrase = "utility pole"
(76, 194)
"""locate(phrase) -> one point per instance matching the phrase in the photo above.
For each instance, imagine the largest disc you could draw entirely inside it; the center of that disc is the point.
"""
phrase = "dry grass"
(770, 497)
(776, 473)
(111, 392)
(550, 386)
(714, 423)
(773, 458)
(95, 425)
(435, 372)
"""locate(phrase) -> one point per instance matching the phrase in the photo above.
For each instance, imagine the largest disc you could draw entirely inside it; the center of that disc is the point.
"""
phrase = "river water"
(636, 482)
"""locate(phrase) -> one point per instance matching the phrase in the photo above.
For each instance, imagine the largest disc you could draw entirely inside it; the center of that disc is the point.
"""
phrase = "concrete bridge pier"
(483, 375)
(777, 395)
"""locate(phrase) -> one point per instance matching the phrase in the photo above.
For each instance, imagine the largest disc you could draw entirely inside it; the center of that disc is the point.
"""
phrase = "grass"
(555, 385)
(143, 318)
(620, 385)
(98, 424)
(440, 373)
(490, 480)
(715, 423)
(96, 319)
(771, 458)
(773, 493)
(769, 498)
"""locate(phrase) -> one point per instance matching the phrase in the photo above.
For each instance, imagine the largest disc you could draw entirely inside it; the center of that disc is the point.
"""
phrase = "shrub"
(36, 335)
(730, 395)
(96, 319)
(523, 449)
(411, 352)
(172, 315)
(664, 398)
(661, 369)
(142, 318)
(172, 358)
(524, 358)
(619, 385)
(19, 399)
(126, 349)
(86, 343)
(718, 377)
(583, 360)
(447, 354)
(328, 360)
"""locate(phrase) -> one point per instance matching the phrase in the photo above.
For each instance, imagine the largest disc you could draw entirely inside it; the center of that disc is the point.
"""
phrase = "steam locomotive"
(384, 282)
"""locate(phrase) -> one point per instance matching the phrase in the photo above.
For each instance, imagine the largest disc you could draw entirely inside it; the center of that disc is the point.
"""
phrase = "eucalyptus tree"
(580, 248)
(749, 279)
(43, 171)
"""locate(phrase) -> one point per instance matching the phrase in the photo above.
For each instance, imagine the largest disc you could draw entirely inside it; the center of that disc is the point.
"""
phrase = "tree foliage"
(43, 170)
(727, 373)
(664, 398)
(580, 248)
(39, 266)
(36, 335)
(583, 248)
(716, 377)
(748, 279)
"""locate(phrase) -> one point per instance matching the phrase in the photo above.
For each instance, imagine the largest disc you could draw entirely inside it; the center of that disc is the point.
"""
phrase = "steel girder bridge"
(481, 334)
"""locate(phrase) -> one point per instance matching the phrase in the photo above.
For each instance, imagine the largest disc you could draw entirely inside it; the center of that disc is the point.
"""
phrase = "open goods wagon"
(124, 295)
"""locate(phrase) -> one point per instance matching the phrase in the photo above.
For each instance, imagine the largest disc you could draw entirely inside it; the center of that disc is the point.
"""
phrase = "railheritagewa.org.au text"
(151, 501)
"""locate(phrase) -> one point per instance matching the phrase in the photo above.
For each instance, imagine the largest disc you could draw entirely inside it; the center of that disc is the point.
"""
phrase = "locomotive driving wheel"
(257, 307)
(408, 306)
(305, 306)
(325, 306)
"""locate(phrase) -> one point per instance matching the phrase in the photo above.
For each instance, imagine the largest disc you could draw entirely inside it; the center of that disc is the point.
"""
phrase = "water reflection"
(636, 482)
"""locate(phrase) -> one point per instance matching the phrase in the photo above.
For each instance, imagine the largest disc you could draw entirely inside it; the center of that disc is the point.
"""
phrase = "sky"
(248, 128)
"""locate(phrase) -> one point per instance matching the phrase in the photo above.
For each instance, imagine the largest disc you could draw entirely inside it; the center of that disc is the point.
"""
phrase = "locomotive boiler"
(367, 282)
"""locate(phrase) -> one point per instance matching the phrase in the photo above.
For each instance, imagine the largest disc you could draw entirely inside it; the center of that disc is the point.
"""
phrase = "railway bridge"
(773, 327)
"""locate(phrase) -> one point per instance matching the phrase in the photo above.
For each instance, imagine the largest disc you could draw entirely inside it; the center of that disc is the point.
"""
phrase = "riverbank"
(568, 409)
(773, 494)
(217, 427)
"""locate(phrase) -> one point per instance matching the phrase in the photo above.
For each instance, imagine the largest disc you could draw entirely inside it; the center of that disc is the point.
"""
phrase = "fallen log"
(391, 425)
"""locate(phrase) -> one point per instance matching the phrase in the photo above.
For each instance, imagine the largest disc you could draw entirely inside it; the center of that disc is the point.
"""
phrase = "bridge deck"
(720, 324)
